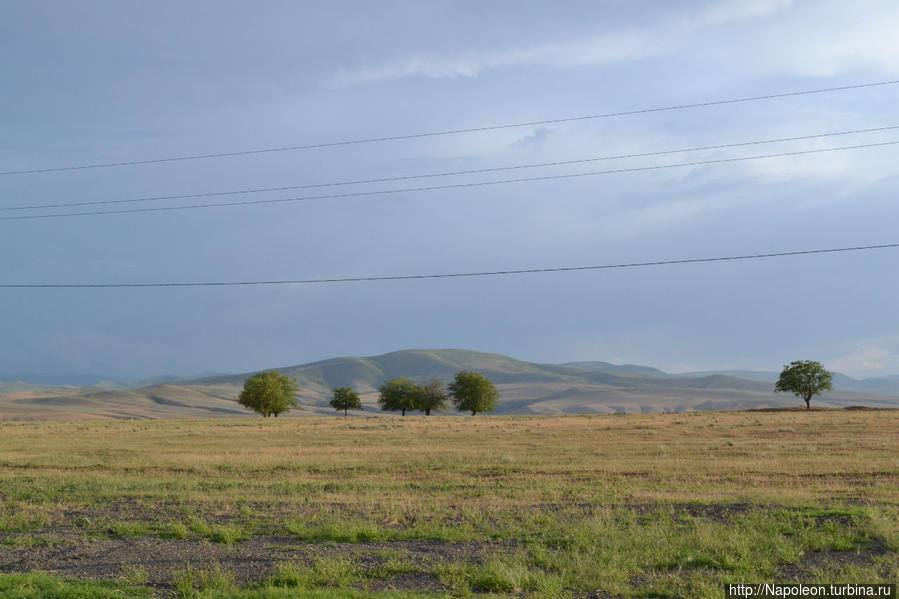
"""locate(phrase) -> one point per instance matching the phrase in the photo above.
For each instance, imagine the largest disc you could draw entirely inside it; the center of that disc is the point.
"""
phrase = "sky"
(117, 81)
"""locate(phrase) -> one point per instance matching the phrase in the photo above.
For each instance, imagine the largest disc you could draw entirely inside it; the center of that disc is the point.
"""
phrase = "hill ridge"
(525, 388)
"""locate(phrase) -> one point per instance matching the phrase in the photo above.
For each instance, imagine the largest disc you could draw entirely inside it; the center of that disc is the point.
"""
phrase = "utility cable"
(444, 275)
(449, 186)
(448, 132)
(445, 174)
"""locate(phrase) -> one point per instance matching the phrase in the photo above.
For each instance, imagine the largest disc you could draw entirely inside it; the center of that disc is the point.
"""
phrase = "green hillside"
(422, 364)
(618, 368)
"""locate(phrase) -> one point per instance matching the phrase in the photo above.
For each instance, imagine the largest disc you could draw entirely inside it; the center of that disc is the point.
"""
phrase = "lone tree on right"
(805, 379)
(473, 392)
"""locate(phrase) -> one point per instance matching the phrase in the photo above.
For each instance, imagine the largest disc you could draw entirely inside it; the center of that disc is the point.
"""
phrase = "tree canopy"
(269, 393)
(431, 396)
(473, 392)
(398, 394)
(345, 398)
(805, 379)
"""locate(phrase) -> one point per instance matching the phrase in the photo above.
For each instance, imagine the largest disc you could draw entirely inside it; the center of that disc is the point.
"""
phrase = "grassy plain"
(655, 505)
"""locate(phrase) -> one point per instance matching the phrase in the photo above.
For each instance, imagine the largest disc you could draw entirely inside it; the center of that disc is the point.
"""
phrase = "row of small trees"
(272, 393)
(469, 392)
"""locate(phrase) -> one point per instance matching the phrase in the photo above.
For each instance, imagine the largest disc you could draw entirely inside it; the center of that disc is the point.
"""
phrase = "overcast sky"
(98, 82)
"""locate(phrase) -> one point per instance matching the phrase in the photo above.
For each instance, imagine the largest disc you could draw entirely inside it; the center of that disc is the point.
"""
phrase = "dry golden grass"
(628, 503)
(715, 456)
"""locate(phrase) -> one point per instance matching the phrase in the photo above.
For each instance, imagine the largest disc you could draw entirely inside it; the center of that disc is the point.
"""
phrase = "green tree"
(398, 394)
(346, 399)
(431, 397)
(473, 392)
(805, 379)
(269, 393)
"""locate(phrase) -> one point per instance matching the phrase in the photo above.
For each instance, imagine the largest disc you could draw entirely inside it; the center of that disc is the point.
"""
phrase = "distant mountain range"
(887, 385)
(525, 388)
(24, 381)
(424, 364)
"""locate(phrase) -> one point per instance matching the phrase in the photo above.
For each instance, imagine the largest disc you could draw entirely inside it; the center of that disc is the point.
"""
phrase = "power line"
(448, 173)
(448, 132)
(440, 187)
(445, 275)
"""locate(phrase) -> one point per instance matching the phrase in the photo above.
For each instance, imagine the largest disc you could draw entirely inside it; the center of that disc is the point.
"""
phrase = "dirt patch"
(718, 512)
(813, 561)
(820, 409)
(250, 561)
(421, 582)
(795, 409)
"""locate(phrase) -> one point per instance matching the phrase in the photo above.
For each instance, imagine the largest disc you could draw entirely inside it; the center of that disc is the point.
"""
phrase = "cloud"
(875, 357)
(600, 50)
(609, 48)
(842, 41)
(725, 12)
(536, 138)
(817, 39)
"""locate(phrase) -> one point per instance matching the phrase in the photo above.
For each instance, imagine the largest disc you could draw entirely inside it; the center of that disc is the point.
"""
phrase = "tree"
(346, 399)
(472, 391)
(269, 393)
(431, 396)
(398, 394)
(805, 379)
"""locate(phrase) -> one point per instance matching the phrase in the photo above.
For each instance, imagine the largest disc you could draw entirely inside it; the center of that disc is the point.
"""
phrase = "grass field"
(656, 505)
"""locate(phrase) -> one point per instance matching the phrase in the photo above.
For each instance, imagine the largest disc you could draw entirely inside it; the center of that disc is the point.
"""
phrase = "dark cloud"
(100, 82)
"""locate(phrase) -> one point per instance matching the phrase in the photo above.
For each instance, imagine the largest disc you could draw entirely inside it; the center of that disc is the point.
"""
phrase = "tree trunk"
(473, 412)
(404, 411)
(428, 412)
(344, 412)
(808, 406)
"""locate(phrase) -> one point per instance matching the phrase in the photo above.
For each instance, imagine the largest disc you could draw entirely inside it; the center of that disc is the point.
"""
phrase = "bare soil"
(66, 550)
(820, 560)
(71, 554)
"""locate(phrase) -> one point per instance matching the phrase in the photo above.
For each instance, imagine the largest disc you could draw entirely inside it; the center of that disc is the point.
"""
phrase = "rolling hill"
(525, 388)
(887, 385)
